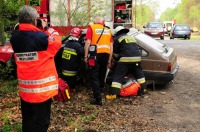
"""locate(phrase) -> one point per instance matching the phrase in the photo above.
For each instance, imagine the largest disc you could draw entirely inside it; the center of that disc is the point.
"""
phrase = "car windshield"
(150, 42)
(182, 28)
(154, 25)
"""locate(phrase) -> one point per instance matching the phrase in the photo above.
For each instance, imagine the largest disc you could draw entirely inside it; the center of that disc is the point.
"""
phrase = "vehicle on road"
(159, 61)
(168, 25)
(180, 31)
(154, 29)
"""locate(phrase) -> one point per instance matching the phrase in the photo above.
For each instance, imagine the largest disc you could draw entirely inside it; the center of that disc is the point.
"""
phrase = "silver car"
(159, 61)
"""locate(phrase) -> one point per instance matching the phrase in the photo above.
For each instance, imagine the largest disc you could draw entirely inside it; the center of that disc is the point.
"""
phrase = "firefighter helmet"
(76, 32)
(120, 29)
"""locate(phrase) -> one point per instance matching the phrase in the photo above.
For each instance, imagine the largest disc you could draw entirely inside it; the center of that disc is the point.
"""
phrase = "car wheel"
(162, 37)
(188, 37)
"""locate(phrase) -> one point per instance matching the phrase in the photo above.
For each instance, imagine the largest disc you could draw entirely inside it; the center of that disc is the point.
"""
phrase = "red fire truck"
(119, 14)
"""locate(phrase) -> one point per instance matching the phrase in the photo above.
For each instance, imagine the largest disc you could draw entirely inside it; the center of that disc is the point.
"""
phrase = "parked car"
(180, 31)
(154, 29)
(7, 64)
(159, 61)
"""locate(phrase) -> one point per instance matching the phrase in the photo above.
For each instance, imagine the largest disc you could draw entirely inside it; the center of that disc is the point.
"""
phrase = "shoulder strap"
(100, 36)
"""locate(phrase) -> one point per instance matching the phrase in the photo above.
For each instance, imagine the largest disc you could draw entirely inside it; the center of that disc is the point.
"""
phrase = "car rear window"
(182, 28)
(158, 46)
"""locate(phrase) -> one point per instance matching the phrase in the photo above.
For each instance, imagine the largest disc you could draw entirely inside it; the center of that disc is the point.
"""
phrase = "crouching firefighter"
(128, 55)
(72, 54)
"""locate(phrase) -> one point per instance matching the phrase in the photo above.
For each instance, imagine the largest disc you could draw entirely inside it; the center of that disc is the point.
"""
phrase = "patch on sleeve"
(51, 38)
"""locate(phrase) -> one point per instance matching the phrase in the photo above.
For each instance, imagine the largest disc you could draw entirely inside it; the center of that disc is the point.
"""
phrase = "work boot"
(111, 97)
(96, 102)
(142, 91)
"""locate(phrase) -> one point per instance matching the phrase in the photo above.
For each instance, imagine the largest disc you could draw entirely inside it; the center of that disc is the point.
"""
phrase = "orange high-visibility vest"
(103, 46)
(36, 71)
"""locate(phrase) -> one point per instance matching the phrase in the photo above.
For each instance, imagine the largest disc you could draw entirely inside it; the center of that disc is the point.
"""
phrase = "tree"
(8, 15)
(79, 12)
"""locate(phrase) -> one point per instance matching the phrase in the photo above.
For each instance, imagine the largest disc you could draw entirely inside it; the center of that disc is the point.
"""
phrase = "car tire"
(162, 37)
(188, 37)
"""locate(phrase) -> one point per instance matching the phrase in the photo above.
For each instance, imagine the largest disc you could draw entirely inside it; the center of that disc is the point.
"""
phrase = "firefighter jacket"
(125, 49)
(72, 54)
(34, 52)
(103, 45)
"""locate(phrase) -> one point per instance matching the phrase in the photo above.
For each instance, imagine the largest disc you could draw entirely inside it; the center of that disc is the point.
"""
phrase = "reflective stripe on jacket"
(69, 73)
(34, 55)
(103, 46)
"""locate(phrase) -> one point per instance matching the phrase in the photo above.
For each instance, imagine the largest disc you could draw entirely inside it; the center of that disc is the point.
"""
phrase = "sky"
(164, 4)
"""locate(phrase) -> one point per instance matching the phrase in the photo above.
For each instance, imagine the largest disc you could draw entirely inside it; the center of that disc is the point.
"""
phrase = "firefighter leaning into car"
(72, 54)
(128, 55)
(34, 52)
(98, 55)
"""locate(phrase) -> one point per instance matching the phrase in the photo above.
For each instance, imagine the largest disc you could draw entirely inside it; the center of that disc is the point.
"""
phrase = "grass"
(8, 87)
(195, 36)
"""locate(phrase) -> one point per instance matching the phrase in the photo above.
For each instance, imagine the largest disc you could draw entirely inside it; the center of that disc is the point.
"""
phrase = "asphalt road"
(177, 107)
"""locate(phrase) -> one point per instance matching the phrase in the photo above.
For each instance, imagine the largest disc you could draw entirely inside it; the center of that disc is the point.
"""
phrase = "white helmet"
(120, 28)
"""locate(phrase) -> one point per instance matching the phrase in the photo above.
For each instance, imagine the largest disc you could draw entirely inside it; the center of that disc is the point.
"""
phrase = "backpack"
(64, 93)
(131, 88)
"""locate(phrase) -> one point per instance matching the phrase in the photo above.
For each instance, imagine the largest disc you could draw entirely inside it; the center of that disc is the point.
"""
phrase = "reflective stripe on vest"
(130, 59)
(70, 49)
(69, 73)
(39, 90)
(116, 85)
(128, 39)
(36, 82)
(103, 46)
(141, 80)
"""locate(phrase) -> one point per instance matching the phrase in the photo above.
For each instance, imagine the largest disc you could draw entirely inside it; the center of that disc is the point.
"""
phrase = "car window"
(154, 25)
(144, 53)
(182, 28)
(158, 46)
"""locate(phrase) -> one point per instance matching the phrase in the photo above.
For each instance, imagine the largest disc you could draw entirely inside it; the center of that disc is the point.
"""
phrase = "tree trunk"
(2, 36)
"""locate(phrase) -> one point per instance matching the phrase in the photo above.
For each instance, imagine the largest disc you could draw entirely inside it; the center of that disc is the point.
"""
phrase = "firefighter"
(128, 55)
(34, 52)
(98, 55)
(72, 55)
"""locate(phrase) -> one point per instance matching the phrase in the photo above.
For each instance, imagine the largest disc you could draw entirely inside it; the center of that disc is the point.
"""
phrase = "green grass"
(195, 38)
(8, 87)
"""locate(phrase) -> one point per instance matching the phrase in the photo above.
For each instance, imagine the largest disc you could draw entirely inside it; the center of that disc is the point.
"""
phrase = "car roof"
(181, 25)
